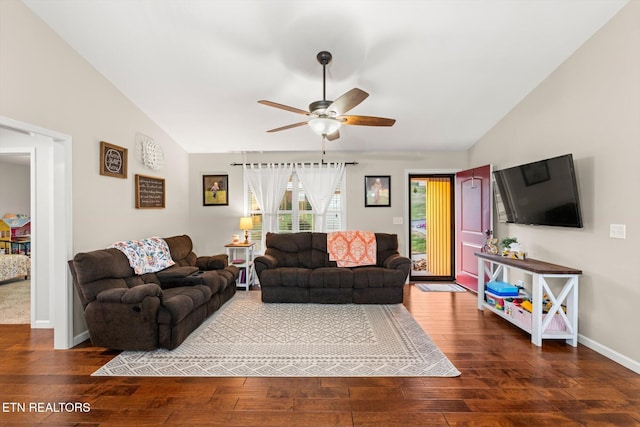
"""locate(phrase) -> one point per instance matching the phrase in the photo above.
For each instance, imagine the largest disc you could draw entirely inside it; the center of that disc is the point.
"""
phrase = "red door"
(473, 221)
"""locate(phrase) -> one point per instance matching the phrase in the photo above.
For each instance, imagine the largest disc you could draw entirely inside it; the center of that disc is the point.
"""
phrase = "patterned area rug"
(247, 338)
(439, 287)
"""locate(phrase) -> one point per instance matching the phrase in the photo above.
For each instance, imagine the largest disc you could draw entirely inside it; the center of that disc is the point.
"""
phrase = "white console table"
(496, 267)
(242, 261)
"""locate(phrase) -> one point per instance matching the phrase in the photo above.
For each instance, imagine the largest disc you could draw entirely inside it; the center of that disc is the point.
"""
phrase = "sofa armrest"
(214, 262)
(397, 262)
(264, 262)
(133, 295)
(267, 260)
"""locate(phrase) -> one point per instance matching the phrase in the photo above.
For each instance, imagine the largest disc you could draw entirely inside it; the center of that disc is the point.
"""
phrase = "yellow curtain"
(439, 226)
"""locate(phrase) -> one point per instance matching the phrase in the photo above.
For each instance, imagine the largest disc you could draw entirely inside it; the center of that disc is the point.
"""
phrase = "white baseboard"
(42, 324)
(80, 338)
(610, 354)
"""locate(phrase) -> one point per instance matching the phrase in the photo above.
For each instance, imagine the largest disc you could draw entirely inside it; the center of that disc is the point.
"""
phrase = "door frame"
(452, 177)
(407, 213)
(59, 237)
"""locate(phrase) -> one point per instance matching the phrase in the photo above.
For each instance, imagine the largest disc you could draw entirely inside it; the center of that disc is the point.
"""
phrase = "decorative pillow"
(146, 256)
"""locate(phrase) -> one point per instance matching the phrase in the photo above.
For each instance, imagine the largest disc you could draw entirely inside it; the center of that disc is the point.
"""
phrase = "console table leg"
(536, 316)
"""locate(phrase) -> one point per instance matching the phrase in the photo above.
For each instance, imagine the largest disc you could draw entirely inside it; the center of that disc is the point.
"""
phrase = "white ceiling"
(446, 70)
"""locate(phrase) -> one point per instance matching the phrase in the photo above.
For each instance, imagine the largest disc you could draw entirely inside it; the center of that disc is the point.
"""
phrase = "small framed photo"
(215, 190)
(377, 191)
(113, 160)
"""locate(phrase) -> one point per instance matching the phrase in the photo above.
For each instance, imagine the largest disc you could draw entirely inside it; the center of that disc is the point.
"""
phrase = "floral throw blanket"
(146, 255)
(352, 248)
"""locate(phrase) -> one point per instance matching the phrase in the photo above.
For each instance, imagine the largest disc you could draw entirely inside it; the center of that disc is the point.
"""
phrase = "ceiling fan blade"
(284, 107)
(347, 101)
(333, 136)
(366, 121)
(295, 125)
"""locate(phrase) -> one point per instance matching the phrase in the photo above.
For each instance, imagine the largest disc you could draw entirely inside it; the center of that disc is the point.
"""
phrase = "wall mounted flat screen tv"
(540, 193)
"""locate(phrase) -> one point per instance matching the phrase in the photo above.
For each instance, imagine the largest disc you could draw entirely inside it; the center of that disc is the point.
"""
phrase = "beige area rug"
(247, 338)
(15, 302)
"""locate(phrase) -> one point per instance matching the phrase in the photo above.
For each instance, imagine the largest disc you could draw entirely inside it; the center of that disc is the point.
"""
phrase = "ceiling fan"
(326, 117)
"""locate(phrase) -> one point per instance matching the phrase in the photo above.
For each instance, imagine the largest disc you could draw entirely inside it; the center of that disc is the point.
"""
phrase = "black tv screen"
(540, 193)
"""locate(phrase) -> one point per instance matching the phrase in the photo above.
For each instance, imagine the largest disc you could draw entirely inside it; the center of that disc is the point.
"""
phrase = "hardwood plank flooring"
(505, 381)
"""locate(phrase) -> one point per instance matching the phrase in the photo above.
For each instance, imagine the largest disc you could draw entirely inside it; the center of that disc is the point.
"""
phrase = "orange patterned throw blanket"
(352, 248)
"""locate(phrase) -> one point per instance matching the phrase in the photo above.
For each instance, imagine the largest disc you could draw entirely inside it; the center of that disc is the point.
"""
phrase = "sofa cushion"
(214, 262)
(91, 290)
(181, 248)
(387, 245)
(331, 277)
(286, 276)
(306, 250)
(377, 277)
(180, 302)
(101, 264)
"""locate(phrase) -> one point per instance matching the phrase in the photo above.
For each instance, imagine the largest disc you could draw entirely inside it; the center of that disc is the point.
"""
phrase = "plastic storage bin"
(523, 318)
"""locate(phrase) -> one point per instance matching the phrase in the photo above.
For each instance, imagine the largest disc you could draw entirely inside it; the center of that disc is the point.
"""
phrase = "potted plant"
(506, 244)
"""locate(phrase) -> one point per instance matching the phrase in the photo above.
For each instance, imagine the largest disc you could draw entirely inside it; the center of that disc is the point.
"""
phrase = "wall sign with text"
(113, 160)
(150, 192)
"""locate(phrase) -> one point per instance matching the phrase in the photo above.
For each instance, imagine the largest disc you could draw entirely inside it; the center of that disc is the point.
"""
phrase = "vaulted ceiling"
(446, 70)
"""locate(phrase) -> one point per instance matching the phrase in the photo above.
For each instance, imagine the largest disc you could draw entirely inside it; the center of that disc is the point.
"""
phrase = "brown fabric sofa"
(125, 311)
(296, 268)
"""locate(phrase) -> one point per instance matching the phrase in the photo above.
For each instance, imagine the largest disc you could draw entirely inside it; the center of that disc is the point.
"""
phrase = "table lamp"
(246, 224)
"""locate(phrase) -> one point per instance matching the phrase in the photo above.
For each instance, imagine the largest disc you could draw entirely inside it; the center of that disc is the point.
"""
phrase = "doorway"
(52, 303)
(431, 219)
(15, 238)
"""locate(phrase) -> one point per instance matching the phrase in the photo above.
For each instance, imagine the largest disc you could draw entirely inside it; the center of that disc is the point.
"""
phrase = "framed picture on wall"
(377, 191)
(113, 160)
(150, 192)
(215, 190)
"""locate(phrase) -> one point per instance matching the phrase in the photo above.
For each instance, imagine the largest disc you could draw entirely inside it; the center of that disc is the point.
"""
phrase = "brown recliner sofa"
(125, 311)
(296, 268)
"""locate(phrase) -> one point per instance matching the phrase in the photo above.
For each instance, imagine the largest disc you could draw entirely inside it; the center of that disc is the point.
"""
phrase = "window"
(295, 212)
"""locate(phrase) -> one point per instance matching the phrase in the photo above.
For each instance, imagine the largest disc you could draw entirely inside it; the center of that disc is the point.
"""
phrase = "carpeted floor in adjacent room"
(15, 302)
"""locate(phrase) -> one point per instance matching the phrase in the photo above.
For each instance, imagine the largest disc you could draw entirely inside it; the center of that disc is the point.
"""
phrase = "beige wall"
(15, 197)
(212, 226)
(590, 106)
(46, 83)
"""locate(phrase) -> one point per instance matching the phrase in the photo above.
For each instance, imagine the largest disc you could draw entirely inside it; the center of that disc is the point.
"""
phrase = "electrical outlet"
(618, 231)
(397, 220)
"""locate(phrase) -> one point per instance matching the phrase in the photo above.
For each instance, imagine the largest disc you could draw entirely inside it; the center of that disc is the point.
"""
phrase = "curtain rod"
(305, 163)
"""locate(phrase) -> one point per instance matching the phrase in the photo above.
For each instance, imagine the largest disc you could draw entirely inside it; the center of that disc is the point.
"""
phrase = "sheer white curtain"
(319, 182)
(268, 182)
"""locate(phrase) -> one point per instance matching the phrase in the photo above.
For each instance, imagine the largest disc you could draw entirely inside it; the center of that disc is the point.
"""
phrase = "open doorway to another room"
(431, 227)
(15, 238)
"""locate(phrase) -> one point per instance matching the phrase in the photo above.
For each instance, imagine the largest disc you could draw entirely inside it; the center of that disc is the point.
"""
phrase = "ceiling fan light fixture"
(324, 125)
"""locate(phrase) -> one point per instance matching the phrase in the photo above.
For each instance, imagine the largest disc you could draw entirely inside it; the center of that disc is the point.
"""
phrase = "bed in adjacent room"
(13, 266)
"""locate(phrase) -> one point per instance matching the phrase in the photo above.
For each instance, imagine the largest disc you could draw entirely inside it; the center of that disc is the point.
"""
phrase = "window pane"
(306, 222)
(285, 222)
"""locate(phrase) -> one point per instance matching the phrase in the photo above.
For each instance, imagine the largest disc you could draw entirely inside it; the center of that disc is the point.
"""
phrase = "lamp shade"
(324, 125)
(246, 223)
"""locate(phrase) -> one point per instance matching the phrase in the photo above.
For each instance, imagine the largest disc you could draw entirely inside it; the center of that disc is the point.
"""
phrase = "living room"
(588, 106)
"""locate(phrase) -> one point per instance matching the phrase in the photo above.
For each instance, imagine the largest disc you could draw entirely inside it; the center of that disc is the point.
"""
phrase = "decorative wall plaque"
(113, 160)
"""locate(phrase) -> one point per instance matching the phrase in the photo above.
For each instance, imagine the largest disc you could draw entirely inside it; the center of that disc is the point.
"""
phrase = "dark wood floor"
(505, 381)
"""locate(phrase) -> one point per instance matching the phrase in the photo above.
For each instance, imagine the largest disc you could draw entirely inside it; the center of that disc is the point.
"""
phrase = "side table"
(241, 255)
